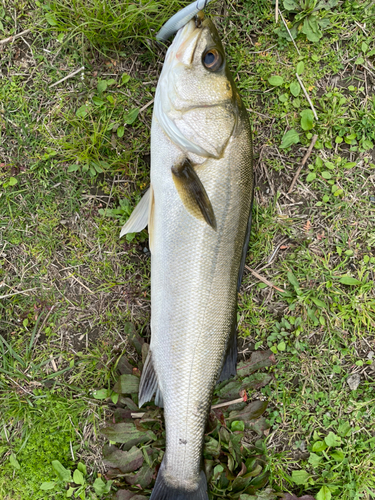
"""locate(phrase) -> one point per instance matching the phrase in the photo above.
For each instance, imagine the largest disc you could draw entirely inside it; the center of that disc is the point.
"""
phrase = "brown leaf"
(124, 367)
(255, 381)
(288, 496)
(128, 434)
(230, 390)
(252, 411)
(124, 495)
(125, 461)
(122, 415)
(129, 403)
(258, 360)
(259, 426)
(134, 338)
(127, 495)
(143, 477)
(127, 384)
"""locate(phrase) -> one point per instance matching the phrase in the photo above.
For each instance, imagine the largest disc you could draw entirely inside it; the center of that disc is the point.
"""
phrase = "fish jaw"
(183, 46)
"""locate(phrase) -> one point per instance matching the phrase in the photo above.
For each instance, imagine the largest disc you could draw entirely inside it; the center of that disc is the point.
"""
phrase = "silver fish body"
(198, 119)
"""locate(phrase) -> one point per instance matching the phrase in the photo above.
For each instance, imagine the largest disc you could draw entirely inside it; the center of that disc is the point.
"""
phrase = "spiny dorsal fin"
(139, 217)
(192, 193)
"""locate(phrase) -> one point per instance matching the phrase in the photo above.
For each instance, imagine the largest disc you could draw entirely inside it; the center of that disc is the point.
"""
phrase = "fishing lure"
(181, 18)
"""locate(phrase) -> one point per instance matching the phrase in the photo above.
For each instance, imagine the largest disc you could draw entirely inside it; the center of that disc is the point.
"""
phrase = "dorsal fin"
(229, 368)
(246, 244)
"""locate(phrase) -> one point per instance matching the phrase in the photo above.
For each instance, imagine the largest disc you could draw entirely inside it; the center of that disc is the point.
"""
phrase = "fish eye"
(212, 59)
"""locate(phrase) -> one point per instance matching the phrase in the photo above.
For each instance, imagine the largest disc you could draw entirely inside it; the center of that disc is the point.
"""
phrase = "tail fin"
(165, 491)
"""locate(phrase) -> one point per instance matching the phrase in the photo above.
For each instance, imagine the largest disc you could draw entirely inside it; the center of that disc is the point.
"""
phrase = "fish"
(198, 212)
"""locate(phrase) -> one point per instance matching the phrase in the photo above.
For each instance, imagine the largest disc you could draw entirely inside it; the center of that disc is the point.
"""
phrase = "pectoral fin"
(139, 217)
(192, 193)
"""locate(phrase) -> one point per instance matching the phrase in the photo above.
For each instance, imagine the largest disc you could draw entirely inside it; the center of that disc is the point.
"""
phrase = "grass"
(74, 162)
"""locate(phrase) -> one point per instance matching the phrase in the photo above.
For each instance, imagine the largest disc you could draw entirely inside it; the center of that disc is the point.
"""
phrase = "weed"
(81, 487)
(107, 25)
(309, 18)
(37, 428)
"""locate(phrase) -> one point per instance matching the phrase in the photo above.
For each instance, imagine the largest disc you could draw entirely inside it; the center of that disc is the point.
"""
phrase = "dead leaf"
(125, 461)
(127, 384)
(142, 478)
(258, 360)
(134, 338)
(128, 434)
(353, 381)
(251, 411)
(288, 496)
(127, 495)
(256, 381)
(124, 367)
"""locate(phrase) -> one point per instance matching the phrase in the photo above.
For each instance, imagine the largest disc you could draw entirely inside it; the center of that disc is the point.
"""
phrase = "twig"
(13, 37)
(227, 403)
(68, 76)
(17, 293)
(137, 415)
(369, 70)
(72, 452)
(25, 390)
(307, 96)
(44, 321)
(273, 255)
(264, 280)
(53, 364)
(256, 112)
(79, 282)
(305, 158)
(214, 407)
(110, 195)
(146, 106)
(361, 27)
(286, 26)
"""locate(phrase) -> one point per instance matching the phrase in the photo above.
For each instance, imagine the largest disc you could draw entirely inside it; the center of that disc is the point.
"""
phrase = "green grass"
(37, 428)
(75, 161)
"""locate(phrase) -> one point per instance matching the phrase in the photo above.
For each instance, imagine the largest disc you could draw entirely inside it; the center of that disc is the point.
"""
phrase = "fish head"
(196, 102)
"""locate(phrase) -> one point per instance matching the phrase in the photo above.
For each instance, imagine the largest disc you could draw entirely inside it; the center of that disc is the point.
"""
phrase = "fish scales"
(194, 265)
(193, 288)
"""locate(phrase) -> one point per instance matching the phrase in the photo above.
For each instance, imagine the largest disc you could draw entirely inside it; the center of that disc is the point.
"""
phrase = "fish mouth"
(185, 42)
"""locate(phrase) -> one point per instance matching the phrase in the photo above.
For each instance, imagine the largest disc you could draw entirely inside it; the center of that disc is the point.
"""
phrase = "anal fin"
(192, 193)
(149, 384)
